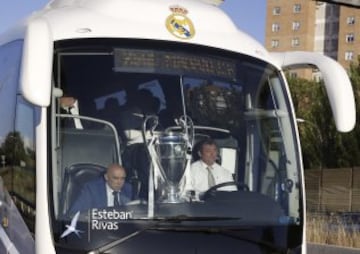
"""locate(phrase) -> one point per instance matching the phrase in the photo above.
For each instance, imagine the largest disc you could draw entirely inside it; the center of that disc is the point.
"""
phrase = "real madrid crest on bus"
(178, 24)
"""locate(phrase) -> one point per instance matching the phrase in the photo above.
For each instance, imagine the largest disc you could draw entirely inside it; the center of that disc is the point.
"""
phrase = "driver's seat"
(76, 176)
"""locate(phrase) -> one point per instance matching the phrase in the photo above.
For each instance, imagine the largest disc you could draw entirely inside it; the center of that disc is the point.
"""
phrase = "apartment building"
(294, 25)
(349, 35)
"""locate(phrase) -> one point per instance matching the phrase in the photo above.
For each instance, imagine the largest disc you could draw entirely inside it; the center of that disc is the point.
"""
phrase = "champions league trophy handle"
(155, 123)
(188, 129)
(170, 153)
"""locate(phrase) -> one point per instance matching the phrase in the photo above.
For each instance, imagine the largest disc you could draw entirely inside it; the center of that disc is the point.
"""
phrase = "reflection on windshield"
(193, 145)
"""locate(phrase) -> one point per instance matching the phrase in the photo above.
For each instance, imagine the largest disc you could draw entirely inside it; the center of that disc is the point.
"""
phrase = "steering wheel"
(211, 192)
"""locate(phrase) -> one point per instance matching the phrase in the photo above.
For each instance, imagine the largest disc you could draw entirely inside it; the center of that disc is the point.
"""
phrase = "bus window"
(24, 160)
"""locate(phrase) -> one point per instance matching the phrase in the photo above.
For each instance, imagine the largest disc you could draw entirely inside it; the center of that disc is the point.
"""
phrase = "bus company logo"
(103, 219)
(72, 227)
(178, 24)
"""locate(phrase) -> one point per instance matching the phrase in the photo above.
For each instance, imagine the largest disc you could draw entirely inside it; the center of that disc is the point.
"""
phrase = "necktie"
(74, 111)
(211, 179)
(117, 201)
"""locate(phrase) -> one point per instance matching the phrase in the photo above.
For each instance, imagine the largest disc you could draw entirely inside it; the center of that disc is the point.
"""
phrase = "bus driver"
(206, 173)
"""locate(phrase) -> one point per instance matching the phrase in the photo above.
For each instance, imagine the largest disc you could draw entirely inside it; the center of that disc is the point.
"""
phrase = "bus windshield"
(205, 138)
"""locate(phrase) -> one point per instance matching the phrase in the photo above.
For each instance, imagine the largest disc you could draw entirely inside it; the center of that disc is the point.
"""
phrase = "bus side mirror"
(337, 83)
(36, 67)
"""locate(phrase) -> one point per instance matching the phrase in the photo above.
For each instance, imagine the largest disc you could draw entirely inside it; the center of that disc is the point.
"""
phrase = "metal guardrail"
(333, 190)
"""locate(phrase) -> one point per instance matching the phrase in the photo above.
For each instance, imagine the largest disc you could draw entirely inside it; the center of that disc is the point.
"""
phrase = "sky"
(249, 16)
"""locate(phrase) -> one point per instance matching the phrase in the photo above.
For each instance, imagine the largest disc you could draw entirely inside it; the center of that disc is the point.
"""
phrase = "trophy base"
(173, 197)
(172, 200)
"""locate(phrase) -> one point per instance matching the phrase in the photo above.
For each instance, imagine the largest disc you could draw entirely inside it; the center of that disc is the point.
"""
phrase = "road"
(329, 249)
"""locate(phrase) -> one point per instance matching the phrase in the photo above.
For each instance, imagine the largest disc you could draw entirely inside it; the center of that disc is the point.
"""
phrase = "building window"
(349, 55)
(275, 27)
(297, 8)
(317, 76)
(350, 38)
(295, 25)
(295, 42)
(350, 20)
(274, 43)
(276, 10)
(293, 74)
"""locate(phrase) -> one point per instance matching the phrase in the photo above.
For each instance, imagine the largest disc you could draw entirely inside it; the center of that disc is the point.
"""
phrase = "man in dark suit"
(109, 190)
(70, 105)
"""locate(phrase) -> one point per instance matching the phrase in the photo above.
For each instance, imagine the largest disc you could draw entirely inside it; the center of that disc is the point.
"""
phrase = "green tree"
(13, 148)
(322, 145)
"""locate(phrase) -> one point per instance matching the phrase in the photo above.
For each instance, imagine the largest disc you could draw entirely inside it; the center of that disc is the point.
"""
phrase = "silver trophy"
(171, 151)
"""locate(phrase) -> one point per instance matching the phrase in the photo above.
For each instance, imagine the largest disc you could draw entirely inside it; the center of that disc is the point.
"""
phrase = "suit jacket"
(93, 195)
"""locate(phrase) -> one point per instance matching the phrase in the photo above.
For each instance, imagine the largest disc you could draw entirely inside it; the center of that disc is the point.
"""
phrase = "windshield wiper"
(181, 218)
(154, 226)
(112, 244)
(229, 233)
(210, 230)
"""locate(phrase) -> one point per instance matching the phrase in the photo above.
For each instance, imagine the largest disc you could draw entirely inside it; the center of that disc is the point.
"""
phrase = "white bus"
(152, 79)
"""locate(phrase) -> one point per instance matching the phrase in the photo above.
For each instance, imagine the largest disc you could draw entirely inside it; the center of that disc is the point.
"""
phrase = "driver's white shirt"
(199, 177)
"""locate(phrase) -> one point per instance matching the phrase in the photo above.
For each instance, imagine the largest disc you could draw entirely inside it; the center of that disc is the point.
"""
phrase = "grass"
(331, 229)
